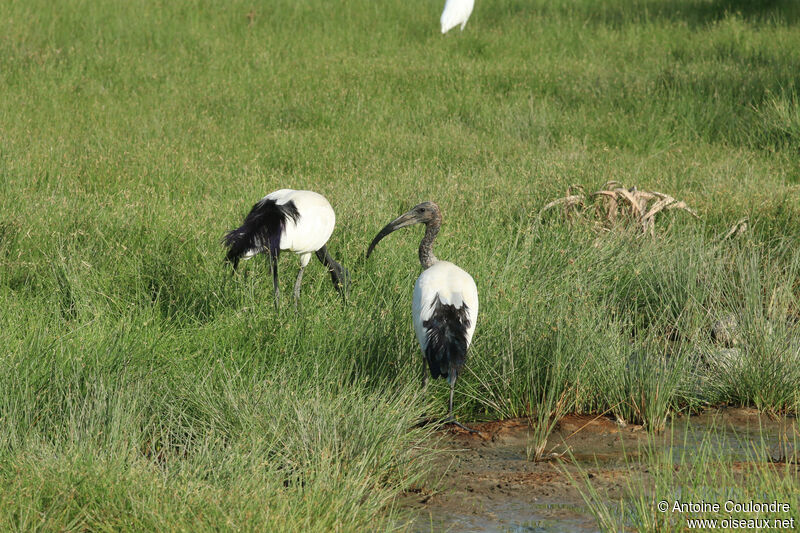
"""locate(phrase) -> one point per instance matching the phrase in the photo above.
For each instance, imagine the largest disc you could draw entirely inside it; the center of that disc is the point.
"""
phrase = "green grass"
(132, 135)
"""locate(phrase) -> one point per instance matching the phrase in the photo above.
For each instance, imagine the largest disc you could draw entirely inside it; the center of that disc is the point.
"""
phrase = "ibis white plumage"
(444, 306)
(456, 12)
(297, 221)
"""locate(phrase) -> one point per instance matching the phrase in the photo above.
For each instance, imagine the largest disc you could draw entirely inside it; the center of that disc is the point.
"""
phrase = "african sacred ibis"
(456, 12)
(445, 304)
(298, 221)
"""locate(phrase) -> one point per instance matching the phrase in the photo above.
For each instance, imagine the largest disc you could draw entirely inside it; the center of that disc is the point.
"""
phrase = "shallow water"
(486, 483)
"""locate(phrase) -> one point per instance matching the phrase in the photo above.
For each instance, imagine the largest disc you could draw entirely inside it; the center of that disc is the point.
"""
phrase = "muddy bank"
(485, 482)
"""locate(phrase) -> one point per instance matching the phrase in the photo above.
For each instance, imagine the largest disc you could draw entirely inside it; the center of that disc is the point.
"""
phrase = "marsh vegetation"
(144, 387)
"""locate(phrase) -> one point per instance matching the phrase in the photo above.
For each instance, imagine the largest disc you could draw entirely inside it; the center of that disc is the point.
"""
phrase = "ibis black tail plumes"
(260, 232)
(446, 349)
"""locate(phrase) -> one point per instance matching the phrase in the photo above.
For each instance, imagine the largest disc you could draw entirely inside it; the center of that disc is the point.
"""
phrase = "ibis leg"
(339, 275)
(450, 418)
(297, 287)
(424, 374)
(450, 407)
(274, 262)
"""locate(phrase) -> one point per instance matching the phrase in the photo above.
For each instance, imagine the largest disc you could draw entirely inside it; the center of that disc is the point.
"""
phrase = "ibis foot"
(452, 420)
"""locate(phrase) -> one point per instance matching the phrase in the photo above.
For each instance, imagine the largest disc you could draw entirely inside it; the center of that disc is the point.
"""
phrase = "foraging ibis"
(298, 221)
(445, 303)
(456, 12)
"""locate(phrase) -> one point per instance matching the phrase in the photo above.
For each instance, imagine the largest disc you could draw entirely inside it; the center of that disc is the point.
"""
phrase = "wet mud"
(485, 482)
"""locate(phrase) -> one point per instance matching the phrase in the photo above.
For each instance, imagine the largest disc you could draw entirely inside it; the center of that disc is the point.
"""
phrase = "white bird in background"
(456, 12)
(298, 221)
(445, 304)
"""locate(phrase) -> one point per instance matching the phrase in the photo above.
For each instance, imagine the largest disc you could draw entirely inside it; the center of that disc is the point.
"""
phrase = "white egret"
(456, 12)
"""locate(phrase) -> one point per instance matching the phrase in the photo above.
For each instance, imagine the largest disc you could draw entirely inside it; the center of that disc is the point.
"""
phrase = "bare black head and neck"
(427, 213)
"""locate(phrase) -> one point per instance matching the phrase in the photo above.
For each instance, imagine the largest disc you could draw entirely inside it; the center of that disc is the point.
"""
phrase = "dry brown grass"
(616, 204)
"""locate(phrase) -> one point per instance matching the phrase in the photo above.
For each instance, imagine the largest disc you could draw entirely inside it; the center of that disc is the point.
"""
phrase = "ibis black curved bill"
(407, 219)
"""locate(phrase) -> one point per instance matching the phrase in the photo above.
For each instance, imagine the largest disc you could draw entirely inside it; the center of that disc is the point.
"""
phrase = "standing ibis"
(445, 304)
(456, 12)
(298, 221)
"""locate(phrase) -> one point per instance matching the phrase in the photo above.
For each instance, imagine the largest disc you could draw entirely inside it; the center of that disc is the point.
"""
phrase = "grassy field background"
(141, 386)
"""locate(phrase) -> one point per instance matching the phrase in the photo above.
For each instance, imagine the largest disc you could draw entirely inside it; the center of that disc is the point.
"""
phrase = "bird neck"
(426, 257)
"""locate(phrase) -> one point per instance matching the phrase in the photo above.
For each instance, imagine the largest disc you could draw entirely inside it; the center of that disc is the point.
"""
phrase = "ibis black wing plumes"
(446, 349)
(261, 230)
